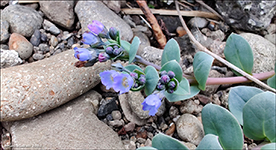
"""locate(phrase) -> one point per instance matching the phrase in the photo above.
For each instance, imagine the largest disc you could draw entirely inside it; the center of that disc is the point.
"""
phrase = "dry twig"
(204, 49)
(160, 37)
(209, 8)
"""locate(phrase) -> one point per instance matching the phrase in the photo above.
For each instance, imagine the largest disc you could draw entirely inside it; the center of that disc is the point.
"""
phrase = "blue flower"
(89, 38)
(122, 82)
(82, 54)
(107, 78)
(97, 28)
(152, 103)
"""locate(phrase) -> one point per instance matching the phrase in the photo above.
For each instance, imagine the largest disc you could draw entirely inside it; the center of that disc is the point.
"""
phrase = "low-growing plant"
(251, 108)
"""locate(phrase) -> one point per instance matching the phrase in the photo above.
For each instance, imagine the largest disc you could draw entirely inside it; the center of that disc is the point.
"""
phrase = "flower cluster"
(166, 82)
(120, 82)
(140, 80)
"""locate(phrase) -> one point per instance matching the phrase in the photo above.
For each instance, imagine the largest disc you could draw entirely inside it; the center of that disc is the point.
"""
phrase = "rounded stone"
(20, 44)
(116, 114)
(190, 129)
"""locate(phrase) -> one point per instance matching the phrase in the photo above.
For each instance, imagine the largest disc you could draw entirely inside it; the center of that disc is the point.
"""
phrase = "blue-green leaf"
(170, 52)
(162, 142)
(146, 148)
(131, 68)
(259, 120)
(173, 66)
(272, 81)
(202, 65)
(183, 92)
(270, 146)
(125, 45)
(152, 78)
(238, 52)
(210, 141)
(237, 98)
(133, 48)
(219, 121)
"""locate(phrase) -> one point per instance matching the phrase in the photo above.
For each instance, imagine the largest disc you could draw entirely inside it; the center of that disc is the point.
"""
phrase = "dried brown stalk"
(204, 49)
(209, 8)
(160, 37)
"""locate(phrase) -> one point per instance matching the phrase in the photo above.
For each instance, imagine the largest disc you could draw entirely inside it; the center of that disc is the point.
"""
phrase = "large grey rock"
(151, 54)
(134, 100)
(31, 89)
(264, 52)
(71, 126)
(9, 58)
(96, 10)
(22, 19)
(4, 32)
(252, 15)
(59, 12)
(190, 129)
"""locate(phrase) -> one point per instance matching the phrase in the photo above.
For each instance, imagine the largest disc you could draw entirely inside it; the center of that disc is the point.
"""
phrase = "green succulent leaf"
(162, 141)
(134, 48)
(118, 39)
(202, 66)
(259, 118)
(170, 52)
(184, 91)
(219, 121)
(125, 45)
(210, 141)
(237, 98)
(152, 78)
(173, 66)
(238, 52)
(272, 81)
(131, 68)
(270, 146)
(146, 148)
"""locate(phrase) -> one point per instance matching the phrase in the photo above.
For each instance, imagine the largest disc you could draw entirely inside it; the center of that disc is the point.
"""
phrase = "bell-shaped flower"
(107, 78)
(98, 28)
(123, 82)
(82, 54)
(152, 103)
(89, 38)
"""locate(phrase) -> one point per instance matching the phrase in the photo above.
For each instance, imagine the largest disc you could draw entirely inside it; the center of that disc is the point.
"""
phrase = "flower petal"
(107, 78)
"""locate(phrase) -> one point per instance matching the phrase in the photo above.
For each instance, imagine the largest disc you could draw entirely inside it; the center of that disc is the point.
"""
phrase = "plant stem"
(204, 49)
(213, 81)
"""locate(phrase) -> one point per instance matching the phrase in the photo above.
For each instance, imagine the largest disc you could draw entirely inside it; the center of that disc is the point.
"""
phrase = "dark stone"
(44, 47)
(109, 117)
(171, 22)
(107, 106)
(43, 37)
(35, 39)
(70, 42)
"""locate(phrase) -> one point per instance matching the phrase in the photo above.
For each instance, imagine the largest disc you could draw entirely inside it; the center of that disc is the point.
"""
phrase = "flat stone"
(96, 10)
(20, 44)
(49, 26)
(65, 16)
(9, 58)
(71, 126)
(135, 100)
(264, 52)
(22, 19)
(31, 89)
(4, 32)
(190, 129)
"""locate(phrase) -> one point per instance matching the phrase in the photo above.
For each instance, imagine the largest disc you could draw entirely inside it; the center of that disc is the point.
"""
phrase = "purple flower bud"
(171, 85)
(142, 79)
(97, 28)
(117, 51)
(165, 79)
(170, 91)
(163, 73)
(171, 74)
(113, 33)
(82, 54)
(103, 57)
(160, 86)
(109, 50)
(136, 85)
(134, 75)
(89, 38)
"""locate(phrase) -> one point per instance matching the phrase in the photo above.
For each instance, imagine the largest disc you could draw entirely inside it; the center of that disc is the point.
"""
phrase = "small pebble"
(38, 56)
(171, 129)
(44, 48)
(132, 145)
(43, 37)
(148, 142)
(173, 112)
(141, 140)
(116, 114)
(129, 127)
(109, 117)
(53, 41)
(36, 37)
(133, 138)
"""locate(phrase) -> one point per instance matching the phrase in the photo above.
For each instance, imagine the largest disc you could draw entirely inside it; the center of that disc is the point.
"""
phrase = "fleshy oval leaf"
(131, 68)
(125, 45)
(209, 141)
(173, 66)
(162, 141)
(219, 121)
(259, 118)
(237, 98)
(238, 52)
(272, 81)
(202, 65)
(270, 146)
(171, 52)
(152, 78)
(146, 148)
(133, 48)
